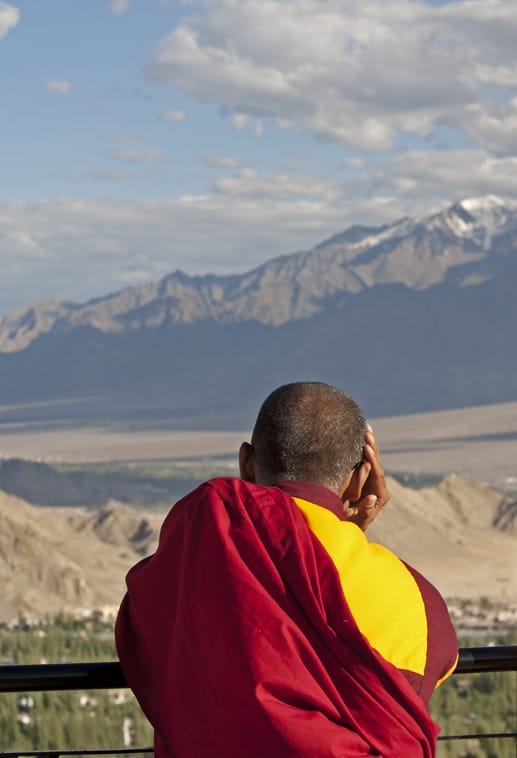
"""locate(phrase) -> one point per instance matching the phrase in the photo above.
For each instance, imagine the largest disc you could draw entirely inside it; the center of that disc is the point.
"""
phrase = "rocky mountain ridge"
(416, 316)
(462, 244)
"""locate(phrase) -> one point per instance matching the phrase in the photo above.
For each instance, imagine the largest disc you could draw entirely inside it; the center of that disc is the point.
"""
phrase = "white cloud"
(500, 75)
(101, 175)
(60, 87)
(354, 161)
(172, 115)
(239, 120)
(416, 180)
(494, 125)
(344, 70)
(118, 7)
(23, 244)
(248, 183)
(220, 161)
(9, 18)
(124, 137)
(137, 156)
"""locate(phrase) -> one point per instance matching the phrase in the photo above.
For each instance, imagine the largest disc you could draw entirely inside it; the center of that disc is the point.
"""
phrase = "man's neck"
(313, 492)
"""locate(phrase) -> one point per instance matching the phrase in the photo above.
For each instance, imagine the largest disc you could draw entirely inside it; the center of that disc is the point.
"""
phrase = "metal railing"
(477, 660)
(79, 752)
(108, 675)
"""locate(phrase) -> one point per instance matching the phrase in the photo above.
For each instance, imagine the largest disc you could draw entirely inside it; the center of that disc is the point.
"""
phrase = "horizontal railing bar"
(139, 750)
(108, 674)
(61, 676)
(57, 753)
(483, 736)
(475, 660)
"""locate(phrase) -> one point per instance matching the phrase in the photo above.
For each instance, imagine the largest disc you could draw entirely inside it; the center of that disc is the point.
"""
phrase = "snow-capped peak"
(477, 218)
(481, 205)
(489, 214)
(398, 229)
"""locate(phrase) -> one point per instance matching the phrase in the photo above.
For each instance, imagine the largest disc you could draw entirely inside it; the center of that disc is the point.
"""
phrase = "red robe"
(238, 642)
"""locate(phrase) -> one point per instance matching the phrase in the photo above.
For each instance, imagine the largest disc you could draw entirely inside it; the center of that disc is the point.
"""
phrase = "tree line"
(465, 704)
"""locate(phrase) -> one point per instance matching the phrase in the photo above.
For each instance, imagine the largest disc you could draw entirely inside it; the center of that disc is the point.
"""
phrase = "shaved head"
(308, 431)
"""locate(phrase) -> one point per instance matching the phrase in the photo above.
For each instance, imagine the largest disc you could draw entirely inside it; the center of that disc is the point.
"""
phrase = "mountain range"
(417, 315)
(54, 559)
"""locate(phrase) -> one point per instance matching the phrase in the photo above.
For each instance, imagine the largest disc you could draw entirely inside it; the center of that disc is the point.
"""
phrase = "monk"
(266, 625)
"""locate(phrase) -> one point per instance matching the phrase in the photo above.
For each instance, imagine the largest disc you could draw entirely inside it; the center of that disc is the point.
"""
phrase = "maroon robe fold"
(238, 642)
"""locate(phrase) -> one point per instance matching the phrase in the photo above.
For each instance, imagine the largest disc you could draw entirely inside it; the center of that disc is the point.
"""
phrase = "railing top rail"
(474, 660)
(108, 674)
(78, 752)
(61, 676)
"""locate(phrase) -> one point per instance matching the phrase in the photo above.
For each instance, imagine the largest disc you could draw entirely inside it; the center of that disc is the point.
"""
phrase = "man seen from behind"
(266, 624)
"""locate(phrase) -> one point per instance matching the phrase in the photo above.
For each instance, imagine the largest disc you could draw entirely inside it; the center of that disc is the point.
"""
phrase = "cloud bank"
(355, 73)
(415, 103)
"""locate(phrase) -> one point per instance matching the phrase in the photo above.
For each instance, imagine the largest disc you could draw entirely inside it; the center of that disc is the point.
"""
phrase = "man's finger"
(370, 439)
(376, 483)
(373, 457)
(363, 512)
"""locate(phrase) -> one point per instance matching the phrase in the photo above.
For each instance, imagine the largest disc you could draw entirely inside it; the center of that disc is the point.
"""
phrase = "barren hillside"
(53, 559)
(448, 532)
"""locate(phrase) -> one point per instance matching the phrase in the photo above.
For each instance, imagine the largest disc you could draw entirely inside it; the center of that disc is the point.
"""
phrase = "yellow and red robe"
(246, 635)
(402, 614)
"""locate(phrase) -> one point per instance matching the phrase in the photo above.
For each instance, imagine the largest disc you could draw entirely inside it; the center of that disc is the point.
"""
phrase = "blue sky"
(143, 136)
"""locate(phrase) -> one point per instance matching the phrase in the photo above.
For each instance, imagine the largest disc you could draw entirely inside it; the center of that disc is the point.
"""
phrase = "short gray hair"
(309, 431)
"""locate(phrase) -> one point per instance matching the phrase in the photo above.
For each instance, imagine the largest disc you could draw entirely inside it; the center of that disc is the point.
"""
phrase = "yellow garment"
(391, 613)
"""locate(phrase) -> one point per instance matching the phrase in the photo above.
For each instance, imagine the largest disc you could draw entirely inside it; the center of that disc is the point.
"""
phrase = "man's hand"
(374, 492)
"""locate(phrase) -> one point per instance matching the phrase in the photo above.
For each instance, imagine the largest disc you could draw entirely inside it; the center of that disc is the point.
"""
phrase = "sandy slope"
(52, 559)
(59, 560)
(446, 532)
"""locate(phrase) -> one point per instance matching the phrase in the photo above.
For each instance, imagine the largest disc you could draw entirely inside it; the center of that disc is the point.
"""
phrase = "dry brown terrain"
(70, 558)
(100, 444)
(67, 559)
(447, 533)
(59, 558)
(478, 443)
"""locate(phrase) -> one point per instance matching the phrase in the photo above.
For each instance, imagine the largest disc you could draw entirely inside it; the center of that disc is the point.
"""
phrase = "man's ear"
(247, 463)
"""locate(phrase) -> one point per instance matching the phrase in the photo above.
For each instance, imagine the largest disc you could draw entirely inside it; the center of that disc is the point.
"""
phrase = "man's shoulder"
(218, 485)
(228, 508)
(234, 486)
(233, 492)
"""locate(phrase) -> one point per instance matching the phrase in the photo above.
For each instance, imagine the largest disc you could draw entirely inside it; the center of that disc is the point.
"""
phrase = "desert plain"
(477, 443)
